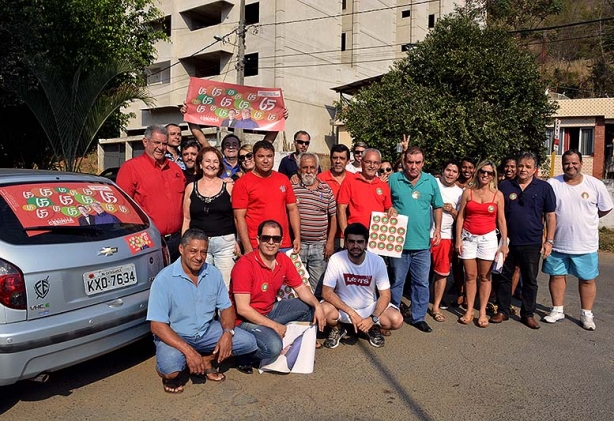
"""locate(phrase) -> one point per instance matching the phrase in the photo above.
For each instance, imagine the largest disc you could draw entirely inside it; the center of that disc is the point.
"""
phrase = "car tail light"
(12, 286)
(166, 255)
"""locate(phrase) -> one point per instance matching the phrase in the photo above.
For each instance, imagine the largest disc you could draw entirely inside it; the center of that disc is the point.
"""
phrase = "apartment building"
(305, 47)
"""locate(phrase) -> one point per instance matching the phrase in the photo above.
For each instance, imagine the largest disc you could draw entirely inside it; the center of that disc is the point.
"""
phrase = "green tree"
(464, 90)
(63, 37)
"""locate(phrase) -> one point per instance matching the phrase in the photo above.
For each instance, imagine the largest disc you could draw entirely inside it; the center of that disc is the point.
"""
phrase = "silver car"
(77, 258)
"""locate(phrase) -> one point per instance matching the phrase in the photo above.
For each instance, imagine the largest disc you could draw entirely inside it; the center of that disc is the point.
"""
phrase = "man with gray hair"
(318, 211)
(157, 185)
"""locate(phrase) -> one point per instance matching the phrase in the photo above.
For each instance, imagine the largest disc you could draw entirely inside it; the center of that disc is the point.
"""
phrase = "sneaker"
(587, 321)
(375, 336)
(554, 316)
(443, 305)
(335, 335)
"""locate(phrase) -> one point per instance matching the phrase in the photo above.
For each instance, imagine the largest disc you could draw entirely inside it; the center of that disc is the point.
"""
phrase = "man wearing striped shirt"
(318, 211)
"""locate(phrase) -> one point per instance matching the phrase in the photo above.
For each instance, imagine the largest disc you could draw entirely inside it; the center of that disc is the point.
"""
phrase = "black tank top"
(212, 214)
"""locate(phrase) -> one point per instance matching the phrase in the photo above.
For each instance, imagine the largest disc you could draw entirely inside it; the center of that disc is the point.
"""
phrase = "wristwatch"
(375, 319)
(550, 241)
(231, 331)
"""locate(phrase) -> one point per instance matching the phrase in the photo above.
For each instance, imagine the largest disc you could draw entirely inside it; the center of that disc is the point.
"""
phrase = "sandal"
(465, 320)
(385, 332)
(483, 323)
(214, 371)
(174, 385)
(438, 316)
(318, 345)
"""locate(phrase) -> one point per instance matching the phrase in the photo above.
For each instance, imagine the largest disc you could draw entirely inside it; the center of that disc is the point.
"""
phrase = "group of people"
(235, 227)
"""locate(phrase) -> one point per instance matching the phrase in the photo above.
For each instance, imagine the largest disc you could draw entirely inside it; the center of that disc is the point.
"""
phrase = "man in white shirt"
(580, 201)
(352, 278)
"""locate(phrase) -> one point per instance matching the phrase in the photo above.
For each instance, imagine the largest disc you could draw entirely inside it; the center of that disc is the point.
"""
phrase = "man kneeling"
(349, 287)
(182, 302)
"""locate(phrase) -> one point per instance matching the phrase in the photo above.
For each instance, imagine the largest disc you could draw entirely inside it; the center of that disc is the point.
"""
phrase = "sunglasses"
(484, 172)
(358, 152)
(303, 142)
(383, 170)
(267, 238)
(249, 155)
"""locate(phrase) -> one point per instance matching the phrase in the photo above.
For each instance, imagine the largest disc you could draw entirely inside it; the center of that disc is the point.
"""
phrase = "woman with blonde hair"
(481, 213)
(246, 159)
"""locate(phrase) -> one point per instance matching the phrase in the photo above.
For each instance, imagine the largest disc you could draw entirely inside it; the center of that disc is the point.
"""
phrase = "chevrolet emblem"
(107, 251)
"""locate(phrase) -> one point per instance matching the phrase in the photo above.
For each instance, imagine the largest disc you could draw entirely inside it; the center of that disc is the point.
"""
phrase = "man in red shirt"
(363, 194)
(254, 282)
(157, 185)
(265, 194)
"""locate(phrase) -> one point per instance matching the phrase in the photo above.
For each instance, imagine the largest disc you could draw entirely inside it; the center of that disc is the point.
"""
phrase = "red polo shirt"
(157, 188)
(250, 275)
(364, 197)
(264, 198)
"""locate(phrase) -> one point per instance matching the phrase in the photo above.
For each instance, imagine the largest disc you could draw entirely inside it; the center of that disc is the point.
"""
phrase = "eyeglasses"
(359, 152)
(248, 155)
(302, 142)
(383, 170)
(268, 238)
(489, 173)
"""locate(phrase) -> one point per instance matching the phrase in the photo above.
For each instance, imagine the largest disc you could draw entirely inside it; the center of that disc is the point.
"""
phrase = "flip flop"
(173, 386)
(465, 320)
(438, 316)
(483, 323)
(213, 370)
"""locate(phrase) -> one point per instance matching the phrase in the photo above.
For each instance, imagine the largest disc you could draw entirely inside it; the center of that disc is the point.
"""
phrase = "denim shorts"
(582, 266)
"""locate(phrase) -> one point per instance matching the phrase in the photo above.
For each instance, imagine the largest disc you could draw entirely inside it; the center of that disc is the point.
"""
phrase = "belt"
(167, 236)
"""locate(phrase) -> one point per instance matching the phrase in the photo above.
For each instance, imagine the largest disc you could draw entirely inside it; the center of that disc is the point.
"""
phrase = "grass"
(606, 239)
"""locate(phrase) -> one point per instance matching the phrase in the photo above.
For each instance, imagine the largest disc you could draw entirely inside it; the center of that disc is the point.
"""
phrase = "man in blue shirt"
(528, 202)
(415, 194)
(182, 303)
(289, 164)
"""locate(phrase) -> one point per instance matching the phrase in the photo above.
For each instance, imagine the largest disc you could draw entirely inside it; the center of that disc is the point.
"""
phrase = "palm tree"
(71, 110)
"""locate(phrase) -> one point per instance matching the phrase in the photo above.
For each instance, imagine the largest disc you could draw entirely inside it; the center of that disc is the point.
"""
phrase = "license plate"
(109, 279)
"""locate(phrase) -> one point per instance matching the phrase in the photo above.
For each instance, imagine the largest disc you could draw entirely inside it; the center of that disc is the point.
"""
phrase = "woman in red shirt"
(481, 213)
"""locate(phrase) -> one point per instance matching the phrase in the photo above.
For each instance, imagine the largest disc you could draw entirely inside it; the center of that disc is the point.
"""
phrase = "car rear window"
(66, 212)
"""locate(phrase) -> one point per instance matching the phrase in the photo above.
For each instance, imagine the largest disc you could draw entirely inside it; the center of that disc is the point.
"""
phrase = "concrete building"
(304, 47)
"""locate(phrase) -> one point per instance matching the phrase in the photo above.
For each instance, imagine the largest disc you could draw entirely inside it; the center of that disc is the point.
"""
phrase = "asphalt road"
(507, 371)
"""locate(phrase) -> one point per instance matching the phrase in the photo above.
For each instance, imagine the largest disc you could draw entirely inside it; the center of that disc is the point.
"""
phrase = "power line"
(566, 25)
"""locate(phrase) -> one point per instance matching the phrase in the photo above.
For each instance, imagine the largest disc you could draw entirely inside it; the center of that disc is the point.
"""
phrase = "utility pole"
(240, 66)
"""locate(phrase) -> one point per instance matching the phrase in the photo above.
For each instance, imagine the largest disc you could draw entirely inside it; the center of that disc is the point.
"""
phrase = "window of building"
(252, 13)
(343, 37)
(405, 14)
(343, 4)
(163, 25)
(158, 73)
(431, 21)
(251, 64)
(581, 138)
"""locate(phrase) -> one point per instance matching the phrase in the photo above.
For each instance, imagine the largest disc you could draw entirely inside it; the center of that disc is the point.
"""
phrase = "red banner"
(237, 106)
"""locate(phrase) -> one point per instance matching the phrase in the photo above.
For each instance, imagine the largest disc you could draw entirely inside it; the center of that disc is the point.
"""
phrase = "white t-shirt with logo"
(451, 195)
(356, 284)
(577, 217)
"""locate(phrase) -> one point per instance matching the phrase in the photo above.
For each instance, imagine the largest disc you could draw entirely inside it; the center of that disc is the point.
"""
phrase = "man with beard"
(356, 291)
(318, 211)
(529, 202)
(189, 152)
(173, 152)
(441, 254)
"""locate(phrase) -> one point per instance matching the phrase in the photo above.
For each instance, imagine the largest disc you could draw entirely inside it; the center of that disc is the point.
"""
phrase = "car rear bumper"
(48, 344)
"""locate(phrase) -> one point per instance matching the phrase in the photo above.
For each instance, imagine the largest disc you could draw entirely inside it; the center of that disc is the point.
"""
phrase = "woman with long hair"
(481, 213)
(207, 205)
(246, 159)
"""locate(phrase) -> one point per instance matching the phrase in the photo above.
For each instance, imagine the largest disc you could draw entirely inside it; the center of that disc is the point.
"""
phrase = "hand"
(280, 329)
(329, 249)
(448, 207)
(295, 179)
(237, 250)
(223, 349)
(546, 249)
(365, 324)
(247, 248)
(459, 248)
(392, 212)
(296, 246)
(195, 362)
(384, 177)
(183, 108)
(503, 249)
(286, 114)
(436, 237)
(319, 318)
(405, 142)
(355, 319)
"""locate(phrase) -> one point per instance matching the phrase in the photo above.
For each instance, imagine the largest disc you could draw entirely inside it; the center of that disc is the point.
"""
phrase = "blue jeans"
(418, 264)
(221, 254)
(170, 359)
(312, 256)
(269, 342)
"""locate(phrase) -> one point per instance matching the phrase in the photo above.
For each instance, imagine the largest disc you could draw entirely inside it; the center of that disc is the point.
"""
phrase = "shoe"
(334, 337)
(499, 318)
(530, 322)
(587, 322)
(375, 337)
(245, 368)
(423, 326)
(405, 310)
(443, 305)
(554, 316)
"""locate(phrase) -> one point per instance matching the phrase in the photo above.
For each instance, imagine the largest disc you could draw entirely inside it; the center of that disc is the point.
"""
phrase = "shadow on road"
(63, 382)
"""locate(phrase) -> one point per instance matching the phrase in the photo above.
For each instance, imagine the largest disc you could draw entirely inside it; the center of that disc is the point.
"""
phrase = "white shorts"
(479, 246)
(363, 312)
